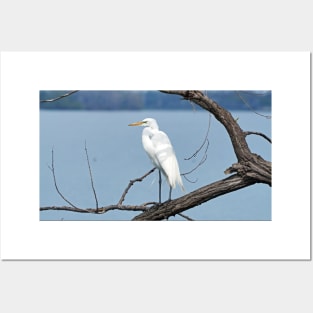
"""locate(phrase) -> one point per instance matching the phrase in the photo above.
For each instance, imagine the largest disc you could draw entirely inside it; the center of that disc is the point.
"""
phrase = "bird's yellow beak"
(136, 123)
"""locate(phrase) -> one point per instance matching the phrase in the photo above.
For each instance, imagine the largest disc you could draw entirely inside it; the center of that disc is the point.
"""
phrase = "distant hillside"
(149, 100)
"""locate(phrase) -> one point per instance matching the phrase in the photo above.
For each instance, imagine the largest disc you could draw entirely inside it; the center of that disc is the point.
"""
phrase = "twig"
(60, 97)
(205, 143)
(188, 179)
(131, 182)
(249, 106)
(150, 203)
(259, 134)
(91, 179)
(185, 216)
(199, 164)
(56, 186)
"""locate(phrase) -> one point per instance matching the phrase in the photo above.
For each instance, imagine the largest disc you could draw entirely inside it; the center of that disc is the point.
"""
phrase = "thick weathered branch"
(256, 168)
(236, 135)
(171, 208)
(250, 165)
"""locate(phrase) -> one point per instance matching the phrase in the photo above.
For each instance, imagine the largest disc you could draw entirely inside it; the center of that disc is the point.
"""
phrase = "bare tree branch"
(98, 210)
(259, 134)
(67, 208)
(204, 145)
(249, 106)
(55, 183)
(132, 181)
(204, 141)
(60, 97)
(223, 116)
(185, 216)
(90, 174)
(249, 164)
(195, 198)
(101, 210)
(200, 163)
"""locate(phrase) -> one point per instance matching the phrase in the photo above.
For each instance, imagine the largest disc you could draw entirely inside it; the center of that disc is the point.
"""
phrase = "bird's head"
(147, 122)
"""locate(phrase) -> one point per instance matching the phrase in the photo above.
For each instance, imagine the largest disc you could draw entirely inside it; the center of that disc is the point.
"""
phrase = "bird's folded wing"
(165, 155)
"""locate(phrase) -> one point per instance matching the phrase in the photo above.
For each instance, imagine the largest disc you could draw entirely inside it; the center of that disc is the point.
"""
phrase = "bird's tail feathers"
(174, 176)
(180, 183)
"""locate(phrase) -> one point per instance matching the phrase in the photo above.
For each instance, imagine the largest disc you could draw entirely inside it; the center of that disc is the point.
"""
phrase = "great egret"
(160, 150)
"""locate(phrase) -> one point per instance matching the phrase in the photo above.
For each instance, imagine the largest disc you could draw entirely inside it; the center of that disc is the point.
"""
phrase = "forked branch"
(131, 182)
(98, 210)
(250, 165)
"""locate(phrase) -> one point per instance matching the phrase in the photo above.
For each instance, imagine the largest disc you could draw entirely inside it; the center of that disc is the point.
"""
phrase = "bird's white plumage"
(160, 150)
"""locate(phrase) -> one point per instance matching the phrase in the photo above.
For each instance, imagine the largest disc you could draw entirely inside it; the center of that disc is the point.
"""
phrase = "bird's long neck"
(147, 133)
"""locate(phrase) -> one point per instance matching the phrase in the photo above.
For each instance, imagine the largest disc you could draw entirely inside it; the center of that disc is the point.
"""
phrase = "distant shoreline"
(150, 100)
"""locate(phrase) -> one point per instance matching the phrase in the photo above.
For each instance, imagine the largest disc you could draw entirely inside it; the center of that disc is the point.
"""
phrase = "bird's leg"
(170, 195)
(160, 182)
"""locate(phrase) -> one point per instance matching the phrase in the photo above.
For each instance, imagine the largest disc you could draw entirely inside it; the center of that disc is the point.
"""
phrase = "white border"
(23, 74)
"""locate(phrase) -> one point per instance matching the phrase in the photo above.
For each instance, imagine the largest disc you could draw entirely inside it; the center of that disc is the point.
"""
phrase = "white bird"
(160, 150)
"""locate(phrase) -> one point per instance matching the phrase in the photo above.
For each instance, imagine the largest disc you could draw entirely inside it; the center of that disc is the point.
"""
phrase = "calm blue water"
(116, 156)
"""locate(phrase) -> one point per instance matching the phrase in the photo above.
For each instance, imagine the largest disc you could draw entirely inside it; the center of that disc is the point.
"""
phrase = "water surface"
(116, 156)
